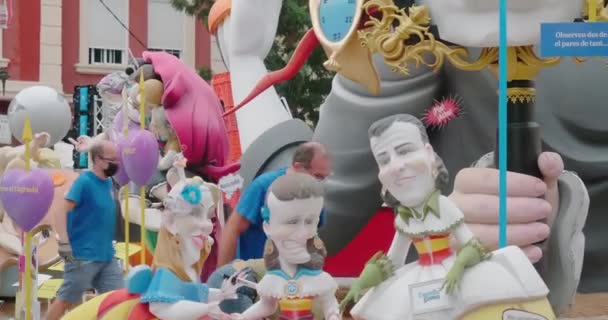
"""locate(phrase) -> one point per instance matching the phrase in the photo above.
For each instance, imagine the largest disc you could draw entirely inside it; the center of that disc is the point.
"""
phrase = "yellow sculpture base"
(540, 309)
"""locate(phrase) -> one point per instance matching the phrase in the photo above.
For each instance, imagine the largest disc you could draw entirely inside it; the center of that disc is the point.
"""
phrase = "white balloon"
(48, 111)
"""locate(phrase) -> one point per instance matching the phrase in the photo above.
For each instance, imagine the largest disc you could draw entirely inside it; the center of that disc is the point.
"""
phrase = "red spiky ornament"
(441, 112)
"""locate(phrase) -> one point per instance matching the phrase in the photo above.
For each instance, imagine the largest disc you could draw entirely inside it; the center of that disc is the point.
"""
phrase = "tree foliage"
(307, 90)
(205, 73)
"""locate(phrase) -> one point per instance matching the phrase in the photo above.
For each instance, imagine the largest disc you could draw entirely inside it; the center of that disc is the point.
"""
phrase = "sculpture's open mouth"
(199, 241)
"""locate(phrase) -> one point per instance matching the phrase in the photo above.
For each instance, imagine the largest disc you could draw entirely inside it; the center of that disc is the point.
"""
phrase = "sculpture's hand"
(532, 204)
(222, 316)
(334, 317)
(179, 161)
(353, 295)
(232, 284)
(82, 144)
(41, 139)
(453, 278)
(180, 157)
(377, 269)
(156, 205)
(237, 316)
(469, 255)
(215, 312)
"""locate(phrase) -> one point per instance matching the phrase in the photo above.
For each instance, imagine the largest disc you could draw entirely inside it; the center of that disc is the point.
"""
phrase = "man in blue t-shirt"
(244, 227)
(86, 233)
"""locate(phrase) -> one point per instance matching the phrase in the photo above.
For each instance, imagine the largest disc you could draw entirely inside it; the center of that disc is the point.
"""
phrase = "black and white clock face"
(336, 18)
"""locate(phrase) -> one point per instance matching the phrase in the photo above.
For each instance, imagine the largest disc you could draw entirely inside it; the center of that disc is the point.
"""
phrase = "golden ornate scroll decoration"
(389, 35)
(521, 95)
(523, 63)
(403, 38)
(601, 10)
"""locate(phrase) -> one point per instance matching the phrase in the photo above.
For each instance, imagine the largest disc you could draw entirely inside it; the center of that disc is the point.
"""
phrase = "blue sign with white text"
(578, 39)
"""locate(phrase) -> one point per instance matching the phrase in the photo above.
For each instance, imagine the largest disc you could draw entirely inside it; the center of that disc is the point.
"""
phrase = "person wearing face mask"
(86, 232)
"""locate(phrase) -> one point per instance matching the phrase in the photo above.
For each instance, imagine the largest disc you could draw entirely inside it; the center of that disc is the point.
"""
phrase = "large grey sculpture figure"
(570, 110)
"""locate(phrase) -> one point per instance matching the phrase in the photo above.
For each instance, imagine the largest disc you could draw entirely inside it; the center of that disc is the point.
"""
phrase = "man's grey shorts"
(80, 276)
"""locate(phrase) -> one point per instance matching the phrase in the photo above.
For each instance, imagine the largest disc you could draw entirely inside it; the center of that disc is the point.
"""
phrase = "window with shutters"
(165, 28)
(104, 39)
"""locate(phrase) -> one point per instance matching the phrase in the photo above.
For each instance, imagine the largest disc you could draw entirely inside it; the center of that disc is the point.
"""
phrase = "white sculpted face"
(475, 23)
(405, 163)
(291, 225)
(190, 206)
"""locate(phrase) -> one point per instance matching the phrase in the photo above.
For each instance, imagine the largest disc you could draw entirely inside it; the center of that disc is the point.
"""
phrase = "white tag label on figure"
(428, 297)
(514, 314)
(230, 184)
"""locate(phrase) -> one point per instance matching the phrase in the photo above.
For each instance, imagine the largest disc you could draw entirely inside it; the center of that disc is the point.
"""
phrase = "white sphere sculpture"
(47, 109)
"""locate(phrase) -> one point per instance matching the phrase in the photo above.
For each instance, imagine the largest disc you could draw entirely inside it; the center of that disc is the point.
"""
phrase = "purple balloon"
(26, 196)
(118, 124)
(140, 156)
(121, 177)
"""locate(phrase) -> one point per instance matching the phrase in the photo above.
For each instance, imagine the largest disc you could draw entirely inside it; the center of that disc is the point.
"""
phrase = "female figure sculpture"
(171, 289)
(185, 114)
(458, 280)
(294, 254)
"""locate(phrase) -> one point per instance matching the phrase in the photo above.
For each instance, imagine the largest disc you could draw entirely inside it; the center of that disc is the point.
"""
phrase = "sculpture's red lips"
(199, 241)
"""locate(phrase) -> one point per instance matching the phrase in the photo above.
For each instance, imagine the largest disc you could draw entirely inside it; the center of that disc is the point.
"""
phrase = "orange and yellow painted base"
(295, 309)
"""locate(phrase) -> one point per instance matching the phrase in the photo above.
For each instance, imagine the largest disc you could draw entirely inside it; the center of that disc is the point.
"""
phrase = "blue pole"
(502, 124)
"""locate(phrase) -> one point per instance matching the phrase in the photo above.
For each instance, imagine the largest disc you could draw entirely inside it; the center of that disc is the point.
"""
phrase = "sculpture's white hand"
(179, 161)
(232, 284)
(334, 317)
(42, 138)
(216, 312)
(237, 316)
(532, 204)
